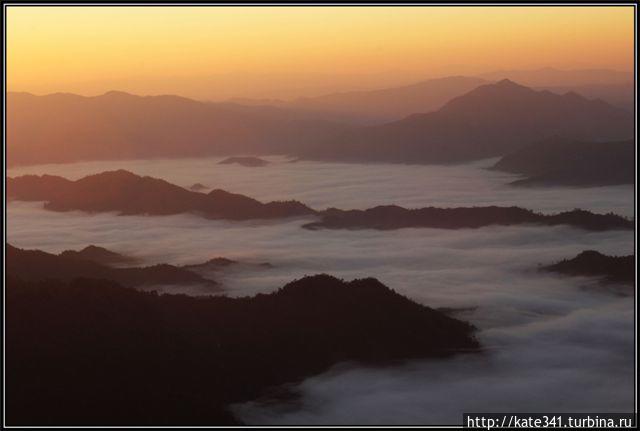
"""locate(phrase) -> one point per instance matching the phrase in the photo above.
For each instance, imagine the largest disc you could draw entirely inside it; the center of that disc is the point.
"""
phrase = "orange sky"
(219, 52)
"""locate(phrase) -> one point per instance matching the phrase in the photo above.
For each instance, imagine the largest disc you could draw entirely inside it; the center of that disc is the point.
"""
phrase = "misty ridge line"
(99, 263)
(130, 194)
(473, 122)
(71, 264)
(551, 78)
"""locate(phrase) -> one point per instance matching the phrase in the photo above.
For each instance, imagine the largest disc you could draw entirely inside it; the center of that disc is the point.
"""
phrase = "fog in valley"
(319, 215)
(358, 186)
(551, 343)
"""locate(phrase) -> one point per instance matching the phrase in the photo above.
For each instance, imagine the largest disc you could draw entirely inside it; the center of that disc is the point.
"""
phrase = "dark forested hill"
(91, 352)
(616, 269)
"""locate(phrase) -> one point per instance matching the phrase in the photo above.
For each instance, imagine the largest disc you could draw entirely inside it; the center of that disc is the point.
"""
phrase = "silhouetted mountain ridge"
(615, 269)
(394, 217)
(36, 265)
(129, 194)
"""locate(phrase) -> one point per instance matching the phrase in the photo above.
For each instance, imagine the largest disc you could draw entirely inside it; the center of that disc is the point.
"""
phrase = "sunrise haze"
(287, 52)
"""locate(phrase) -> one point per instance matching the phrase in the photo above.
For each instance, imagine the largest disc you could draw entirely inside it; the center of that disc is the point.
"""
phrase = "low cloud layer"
(580, 362)
(553, 343)
(359, 186)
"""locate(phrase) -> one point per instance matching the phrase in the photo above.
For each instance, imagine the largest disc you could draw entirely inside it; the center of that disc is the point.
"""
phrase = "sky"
(282, 52)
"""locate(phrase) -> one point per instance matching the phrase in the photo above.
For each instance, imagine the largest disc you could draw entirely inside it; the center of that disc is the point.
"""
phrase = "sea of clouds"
(552, 343)
(350, 186)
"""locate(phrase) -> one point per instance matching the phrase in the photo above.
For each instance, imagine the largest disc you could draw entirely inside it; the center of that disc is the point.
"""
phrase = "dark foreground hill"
(560, 161)
(36, 265)
(614, 269)
(491, 120)
(91, 352)
(128, 194)
(395, 217)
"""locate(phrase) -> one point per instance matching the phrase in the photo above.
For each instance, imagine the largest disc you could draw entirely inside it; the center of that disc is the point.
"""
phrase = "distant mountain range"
(558, 161)
(488, 120)
(127, 193)
(66, 127)
(390, 103)
(612, 86)
(394, 103)
(618, 95)
(491, 120)
(551, 77)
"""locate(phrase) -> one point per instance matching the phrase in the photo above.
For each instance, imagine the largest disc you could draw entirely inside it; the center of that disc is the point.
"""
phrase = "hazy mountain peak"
(488, 121)
(391, 103)
(550, 76)
(506, 83)
(573, 95)
(118, 173)
(117, 93)
(510, 94)
(221, 193)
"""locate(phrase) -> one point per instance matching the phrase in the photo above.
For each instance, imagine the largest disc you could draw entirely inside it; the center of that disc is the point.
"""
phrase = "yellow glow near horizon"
(59, 48)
